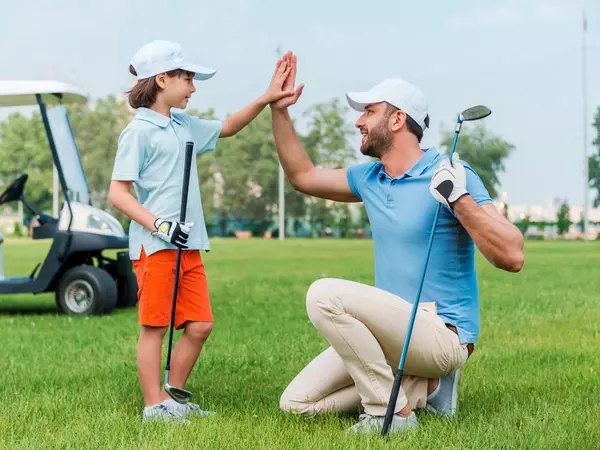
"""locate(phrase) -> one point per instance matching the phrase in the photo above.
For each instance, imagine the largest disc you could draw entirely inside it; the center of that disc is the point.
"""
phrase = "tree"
(594, 162)
(484, 152)
(24, 149)
(562, 219)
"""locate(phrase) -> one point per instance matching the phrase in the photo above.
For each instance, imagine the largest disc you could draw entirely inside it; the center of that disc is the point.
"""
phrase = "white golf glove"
(176, 233)
(449, 182)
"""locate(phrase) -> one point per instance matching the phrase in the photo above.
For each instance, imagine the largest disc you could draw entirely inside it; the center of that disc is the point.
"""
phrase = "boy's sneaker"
(368, 424)
(185, 410)
(444, 400)
(160, 413)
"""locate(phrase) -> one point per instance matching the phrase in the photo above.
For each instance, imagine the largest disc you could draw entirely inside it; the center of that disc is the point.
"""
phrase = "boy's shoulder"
(137, 127)
(189, 119)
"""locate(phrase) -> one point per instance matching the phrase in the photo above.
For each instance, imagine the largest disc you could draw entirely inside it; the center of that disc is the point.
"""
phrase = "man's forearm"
(499, 242)
(294, 159)
(237, 121)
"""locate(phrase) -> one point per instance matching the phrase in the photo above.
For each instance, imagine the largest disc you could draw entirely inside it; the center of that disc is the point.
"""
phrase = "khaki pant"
(366, 327)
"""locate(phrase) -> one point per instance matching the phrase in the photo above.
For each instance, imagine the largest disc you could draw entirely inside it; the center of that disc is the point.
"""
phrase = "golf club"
(180, 395)
(473, 113)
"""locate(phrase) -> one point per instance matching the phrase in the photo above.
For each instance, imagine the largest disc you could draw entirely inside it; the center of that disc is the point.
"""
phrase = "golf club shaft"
(389, 415)
(189, 149)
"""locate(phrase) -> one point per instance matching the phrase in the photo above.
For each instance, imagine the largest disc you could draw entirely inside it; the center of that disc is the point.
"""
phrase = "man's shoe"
(368, 424)
(444, 400)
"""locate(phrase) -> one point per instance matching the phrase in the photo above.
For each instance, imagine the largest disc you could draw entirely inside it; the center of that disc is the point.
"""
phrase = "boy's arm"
(237, 121)
(119, 195)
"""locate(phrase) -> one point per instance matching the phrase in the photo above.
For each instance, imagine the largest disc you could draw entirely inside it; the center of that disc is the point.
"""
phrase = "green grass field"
(531, 383)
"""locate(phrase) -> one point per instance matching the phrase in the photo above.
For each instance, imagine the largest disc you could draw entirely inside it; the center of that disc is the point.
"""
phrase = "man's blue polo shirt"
(401, 212)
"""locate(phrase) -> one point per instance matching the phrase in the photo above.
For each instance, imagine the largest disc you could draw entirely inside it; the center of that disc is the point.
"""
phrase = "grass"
(531, 383)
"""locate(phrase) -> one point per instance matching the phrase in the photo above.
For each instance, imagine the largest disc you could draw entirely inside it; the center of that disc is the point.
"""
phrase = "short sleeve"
(205, 133)
(357, 175)
(476, 188)
(129, 157)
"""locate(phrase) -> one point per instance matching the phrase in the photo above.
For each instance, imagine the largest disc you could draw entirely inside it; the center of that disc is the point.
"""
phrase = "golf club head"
(475, 113)
(178, 394)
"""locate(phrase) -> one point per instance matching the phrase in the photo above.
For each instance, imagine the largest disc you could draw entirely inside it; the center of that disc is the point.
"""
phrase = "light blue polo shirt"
(401, 212)
(151, 153)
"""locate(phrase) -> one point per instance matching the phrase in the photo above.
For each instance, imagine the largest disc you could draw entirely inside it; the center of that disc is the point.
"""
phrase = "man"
(365, 326)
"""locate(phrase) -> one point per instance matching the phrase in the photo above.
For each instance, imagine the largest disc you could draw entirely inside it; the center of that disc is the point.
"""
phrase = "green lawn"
(531, 383)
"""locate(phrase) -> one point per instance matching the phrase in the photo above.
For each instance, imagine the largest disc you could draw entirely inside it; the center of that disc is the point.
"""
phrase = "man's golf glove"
(173, 232)
(449, 182)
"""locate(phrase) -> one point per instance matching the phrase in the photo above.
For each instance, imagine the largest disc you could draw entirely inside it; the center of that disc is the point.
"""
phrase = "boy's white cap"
(397, 92)
(163, 56)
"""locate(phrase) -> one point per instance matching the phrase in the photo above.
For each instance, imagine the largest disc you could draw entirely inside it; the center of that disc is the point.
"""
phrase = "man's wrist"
(460, 202)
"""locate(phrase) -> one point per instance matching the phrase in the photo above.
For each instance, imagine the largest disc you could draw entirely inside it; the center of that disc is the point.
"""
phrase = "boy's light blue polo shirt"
(151, 153)
(401, 212)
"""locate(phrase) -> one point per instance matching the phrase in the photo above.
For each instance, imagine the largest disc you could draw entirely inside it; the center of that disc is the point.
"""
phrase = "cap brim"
(358, 100)
(201, 73)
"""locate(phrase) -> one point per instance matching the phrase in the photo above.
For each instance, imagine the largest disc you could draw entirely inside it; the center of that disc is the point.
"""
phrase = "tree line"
(239, 180)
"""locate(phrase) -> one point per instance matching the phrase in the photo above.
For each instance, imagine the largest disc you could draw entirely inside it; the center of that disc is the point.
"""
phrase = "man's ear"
(398, 119)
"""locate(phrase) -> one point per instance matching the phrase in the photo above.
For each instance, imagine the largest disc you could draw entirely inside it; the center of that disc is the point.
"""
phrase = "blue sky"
(521, 58)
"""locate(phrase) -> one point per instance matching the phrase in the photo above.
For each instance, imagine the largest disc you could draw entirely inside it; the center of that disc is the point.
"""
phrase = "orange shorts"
(156, 277)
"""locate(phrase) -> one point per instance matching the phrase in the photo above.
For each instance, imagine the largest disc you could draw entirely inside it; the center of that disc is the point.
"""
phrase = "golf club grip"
(189, 152)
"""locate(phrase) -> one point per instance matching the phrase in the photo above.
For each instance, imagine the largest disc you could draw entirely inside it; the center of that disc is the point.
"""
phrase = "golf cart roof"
(23, 93)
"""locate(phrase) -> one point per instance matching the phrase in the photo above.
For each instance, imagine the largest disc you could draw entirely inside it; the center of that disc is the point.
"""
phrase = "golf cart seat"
(45, 228)
(44, 225)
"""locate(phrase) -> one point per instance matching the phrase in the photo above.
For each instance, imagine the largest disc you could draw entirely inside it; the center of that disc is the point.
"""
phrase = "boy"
(150, 157)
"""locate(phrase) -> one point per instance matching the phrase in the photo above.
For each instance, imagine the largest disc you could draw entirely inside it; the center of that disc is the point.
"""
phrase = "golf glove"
(176, 233)
(449, 182)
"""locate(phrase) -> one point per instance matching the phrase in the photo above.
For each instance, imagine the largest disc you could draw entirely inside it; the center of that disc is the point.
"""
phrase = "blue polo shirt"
(401, 212)
(151, 153)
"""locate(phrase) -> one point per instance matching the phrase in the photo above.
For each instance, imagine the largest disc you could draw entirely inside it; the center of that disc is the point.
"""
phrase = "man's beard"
(379, 141)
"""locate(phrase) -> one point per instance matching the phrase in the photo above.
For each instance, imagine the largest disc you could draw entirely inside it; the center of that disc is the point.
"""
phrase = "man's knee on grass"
(322, 298)
(198, 331)
(289, 403)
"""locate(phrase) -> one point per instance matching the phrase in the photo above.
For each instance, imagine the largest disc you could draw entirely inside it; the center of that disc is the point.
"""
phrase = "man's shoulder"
(364, 171)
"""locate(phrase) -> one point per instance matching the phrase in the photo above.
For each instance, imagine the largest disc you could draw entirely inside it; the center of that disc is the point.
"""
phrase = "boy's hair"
(143, 94)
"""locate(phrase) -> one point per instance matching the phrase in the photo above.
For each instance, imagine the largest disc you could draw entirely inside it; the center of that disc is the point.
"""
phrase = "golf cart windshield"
(68, 155)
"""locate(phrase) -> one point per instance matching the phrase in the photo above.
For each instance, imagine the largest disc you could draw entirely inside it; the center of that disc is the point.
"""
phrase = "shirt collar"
(149, 115)
(418, 168)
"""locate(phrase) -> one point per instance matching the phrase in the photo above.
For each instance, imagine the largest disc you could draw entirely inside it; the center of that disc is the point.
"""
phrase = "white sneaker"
(368, 424)
(186, 409)
(160, 413)
(444, 400)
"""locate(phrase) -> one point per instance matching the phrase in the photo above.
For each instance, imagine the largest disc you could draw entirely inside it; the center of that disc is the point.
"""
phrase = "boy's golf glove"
(449, 182)
(176, 233)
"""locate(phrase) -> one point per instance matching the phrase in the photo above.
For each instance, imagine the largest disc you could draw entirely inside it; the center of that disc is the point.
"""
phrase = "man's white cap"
(397, 92)
(164, 56)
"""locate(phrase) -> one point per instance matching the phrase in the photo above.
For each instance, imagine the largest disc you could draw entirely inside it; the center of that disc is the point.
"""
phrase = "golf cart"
(84, 280)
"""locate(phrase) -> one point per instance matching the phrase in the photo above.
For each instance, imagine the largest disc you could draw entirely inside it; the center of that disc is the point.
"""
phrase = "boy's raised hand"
(290, 96)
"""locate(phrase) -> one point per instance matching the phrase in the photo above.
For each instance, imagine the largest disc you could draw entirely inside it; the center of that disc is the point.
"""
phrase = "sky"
(523, 59)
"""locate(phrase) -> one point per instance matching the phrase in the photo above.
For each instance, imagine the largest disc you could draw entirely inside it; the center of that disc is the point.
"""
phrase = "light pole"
(586, 180)
(281, 206)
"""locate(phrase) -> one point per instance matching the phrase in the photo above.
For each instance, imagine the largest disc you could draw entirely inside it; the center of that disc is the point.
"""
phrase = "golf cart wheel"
(86, 290)
(128, 291)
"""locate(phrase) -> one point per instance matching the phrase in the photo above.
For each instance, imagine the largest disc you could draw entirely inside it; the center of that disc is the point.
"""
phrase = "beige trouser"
(366, 327)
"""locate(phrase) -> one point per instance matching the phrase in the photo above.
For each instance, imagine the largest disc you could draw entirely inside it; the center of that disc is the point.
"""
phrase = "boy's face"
(178, 90)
